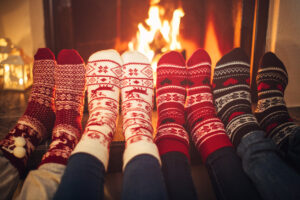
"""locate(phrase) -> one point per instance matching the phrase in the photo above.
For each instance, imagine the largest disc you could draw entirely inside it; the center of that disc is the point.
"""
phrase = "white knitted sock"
(137, 104)
(103, 88)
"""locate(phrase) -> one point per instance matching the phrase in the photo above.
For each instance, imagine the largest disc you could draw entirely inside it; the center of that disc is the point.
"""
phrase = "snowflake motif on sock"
(133, 72)
(103, 69)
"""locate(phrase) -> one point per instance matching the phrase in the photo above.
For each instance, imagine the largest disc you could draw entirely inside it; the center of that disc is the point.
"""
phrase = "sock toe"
(272, 73)
(236, 54)
(110, 54)
(43, 54)
(69, 56)
(269, 59)
(199, 56)
(172, 57)
(134, 56)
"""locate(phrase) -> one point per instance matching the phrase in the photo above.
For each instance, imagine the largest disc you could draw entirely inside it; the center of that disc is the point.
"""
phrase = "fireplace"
(218, 26)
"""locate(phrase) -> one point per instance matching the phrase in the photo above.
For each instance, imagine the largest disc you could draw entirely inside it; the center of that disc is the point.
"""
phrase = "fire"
(160, 36)
(211, 45)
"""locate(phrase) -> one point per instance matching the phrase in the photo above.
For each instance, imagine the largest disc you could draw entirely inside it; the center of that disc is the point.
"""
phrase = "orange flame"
(169, 32)
(211, 45)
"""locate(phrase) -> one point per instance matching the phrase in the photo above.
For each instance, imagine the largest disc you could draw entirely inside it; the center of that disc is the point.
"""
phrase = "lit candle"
(6, 68)
(21, 81)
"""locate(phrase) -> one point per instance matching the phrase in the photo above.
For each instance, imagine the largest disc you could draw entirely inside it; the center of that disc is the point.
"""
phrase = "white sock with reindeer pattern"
(103, 88)
(137, 104)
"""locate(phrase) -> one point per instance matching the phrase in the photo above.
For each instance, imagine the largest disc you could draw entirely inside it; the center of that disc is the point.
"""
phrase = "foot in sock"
(103, 89)
(271, 111)
(171, 92)
(69, 78)
(207, 130)
(37, 122)
(231, 93)
(137, 105)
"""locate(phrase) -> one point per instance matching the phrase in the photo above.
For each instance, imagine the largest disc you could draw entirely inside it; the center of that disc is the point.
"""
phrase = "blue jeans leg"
(227, 176)
(177, 174)
(83, 178)
(291, 149)
(272, 176)
(143, 179)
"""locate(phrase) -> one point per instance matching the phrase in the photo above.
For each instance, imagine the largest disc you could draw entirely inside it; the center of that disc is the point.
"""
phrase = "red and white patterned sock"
(37, 122)
(271, 111)
(69, 78)
(207, 130)
(103, 88)
(137, 105)
(171, 91)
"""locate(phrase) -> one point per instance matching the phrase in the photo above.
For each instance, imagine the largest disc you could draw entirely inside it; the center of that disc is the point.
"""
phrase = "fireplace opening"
(186, 26)
(156, 26)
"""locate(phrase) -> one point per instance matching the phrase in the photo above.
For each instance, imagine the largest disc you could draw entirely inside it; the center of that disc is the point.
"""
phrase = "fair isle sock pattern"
(103, 89)
(171, 92)
(271, 111)
(231, 93)
(137, 105)
(69, 78)
(207, 130)
(37, 122)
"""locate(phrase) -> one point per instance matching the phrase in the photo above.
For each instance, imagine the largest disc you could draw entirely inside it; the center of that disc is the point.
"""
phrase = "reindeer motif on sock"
(135, 92)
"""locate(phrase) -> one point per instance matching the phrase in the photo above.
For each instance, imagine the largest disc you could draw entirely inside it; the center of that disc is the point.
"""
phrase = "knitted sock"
(271, 111)
(171, 81)
(69, 78)
(231, 93)
(137, 104)
(207, 130)
(37, 122)
(103, 88)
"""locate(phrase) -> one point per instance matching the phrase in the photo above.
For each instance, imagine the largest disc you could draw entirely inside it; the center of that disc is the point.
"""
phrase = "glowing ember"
(160, 36)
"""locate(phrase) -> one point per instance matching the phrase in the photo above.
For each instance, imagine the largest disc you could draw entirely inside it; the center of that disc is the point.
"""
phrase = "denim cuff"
(254, 142)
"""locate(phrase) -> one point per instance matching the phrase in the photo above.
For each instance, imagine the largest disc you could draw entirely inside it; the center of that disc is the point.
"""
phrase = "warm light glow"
(3, 42)
(237, 24)
(211, 45)
(6, 67)
(21, 81)
(159, 36)
(273, 25)
(175, 44)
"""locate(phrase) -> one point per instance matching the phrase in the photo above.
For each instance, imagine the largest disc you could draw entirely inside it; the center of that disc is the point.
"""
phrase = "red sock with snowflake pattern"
(171, 91)
(103, 89)
(231, 91)
(207, 130)
(69, 78)
(37, 122)
(137, 105)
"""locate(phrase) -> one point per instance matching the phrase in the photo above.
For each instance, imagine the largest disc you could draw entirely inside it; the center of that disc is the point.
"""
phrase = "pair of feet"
(56, 101)
(231, 93)
(109, 75)
(185, 103)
